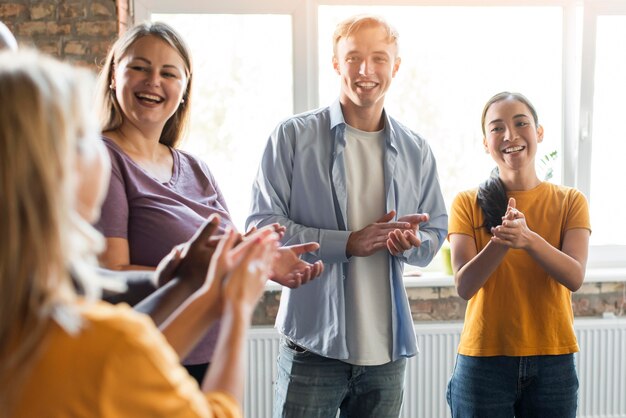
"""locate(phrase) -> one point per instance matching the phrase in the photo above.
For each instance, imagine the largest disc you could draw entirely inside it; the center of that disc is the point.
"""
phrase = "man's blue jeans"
(311, 386)
(503, 387)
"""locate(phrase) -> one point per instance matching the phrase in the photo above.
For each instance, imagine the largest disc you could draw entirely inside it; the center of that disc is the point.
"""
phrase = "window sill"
(440, 279)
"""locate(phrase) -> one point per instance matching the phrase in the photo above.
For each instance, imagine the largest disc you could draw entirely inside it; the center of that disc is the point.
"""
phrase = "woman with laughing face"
(519, 249)
(159, 195)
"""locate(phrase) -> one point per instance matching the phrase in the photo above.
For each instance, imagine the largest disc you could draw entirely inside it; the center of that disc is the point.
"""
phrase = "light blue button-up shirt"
(301, 184)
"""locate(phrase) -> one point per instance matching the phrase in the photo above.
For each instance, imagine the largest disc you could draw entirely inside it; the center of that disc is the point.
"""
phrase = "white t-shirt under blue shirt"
(367, 286)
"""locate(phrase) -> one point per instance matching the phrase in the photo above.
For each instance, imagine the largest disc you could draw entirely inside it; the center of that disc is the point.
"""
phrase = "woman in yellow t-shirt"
(519, 248)
(63, 355)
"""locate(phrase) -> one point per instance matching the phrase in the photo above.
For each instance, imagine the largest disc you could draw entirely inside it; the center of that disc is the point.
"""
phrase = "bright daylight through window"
(453, 59)
(242, 89)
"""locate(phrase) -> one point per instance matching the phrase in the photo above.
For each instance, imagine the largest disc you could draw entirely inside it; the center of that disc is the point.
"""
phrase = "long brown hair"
(111, 113)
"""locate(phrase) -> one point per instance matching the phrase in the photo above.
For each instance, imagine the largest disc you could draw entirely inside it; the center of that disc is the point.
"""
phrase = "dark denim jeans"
(311, 386)
(503, 387)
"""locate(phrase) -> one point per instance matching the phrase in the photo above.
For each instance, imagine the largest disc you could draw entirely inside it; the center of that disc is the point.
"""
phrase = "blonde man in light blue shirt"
(366, 188)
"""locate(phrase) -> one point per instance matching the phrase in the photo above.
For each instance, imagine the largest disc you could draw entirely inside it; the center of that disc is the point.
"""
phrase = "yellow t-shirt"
(119, 365)
(521, 310)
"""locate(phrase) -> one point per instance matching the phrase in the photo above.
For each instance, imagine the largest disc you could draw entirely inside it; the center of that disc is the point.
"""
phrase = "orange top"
(118, 365)
(521, 310)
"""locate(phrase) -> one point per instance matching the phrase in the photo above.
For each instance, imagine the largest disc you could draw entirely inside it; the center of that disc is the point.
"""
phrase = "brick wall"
(78, 31)
(443, 303)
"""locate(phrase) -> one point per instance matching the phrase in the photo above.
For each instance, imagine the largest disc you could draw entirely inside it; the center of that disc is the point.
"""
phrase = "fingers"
(415, 219)
(225, 246)
(399, 241)
(317, 269)
(512, 202)
(395, 225)
(207, 229)
(251, 239)
(307, 247)
(387, 217)
(258, 258)
(391, 246)
(280, 230)
(168, 265)
(274, 227)
(413, 239)
(250, 231)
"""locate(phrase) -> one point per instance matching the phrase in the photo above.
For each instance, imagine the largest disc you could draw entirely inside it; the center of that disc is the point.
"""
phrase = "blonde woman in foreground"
(65, 354)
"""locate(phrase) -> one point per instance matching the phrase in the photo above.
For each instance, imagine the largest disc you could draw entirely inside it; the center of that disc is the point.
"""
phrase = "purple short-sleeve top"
(155, 216)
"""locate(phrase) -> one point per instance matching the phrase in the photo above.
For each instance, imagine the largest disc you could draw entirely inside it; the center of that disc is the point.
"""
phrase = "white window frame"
(577, 78)
(605, 255)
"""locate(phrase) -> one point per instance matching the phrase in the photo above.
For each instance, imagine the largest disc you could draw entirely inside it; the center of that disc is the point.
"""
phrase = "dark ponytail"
(492, 200)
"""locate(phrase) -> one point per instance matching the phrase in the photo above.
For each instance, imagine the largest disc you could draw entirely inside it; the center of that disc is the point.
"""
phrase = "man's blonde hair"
(353, 24)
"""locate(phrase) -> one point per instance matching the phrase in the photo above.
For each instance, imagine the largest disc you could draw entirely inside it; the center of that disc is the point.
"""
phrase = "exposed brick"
(43, 11)
(72, 11)
(30, 29)
(88, 63)
(12, 11)
(103, 9)
(100, 29)
(47, 46)
(75, 48)
(101, 48)
(54, 28)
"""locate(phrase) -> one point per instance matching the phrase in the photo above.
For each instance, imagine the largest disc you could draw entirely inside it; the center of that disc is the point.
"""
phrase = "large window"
(607, 138)
(257, 62)
(601, 142)
(241, 89)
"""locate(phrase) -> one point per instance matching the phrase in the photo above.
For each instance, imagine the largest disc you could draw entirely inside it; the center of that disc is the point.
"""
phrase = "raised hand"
(374, 237)
(399, 240)
(289, 270)
(190, 261)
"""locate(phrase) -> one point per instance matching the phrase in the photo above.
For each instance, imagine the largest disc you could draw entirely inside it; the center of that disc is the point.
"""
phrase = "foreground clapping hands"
(242, 270)
(190, 261)
(288, 269)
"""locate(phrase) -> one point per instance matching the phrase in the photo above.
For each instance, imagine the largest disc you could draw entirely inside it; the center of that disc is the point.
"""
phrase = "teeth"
(513, 149)
(366, 85)
(147, 96)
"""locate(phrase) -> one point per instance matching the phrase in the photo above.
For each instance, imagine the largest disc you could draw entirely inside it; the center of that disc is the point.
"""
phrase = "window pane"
(445, 79)
(608, 170)
(241, 90)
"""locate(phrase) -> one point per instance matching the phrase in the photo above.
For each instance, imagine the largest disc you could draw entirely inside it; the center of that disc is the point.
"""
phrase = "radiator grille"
(601, 370)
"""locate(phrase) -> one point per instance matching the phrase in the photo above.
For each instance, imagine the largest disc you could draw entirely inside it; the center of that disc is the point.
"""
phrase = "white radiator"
(601, 370)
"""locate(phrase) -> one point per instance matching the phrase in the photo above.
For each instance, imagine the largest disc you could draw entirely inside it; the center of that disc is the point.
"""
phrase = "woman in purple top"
(159, 196)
